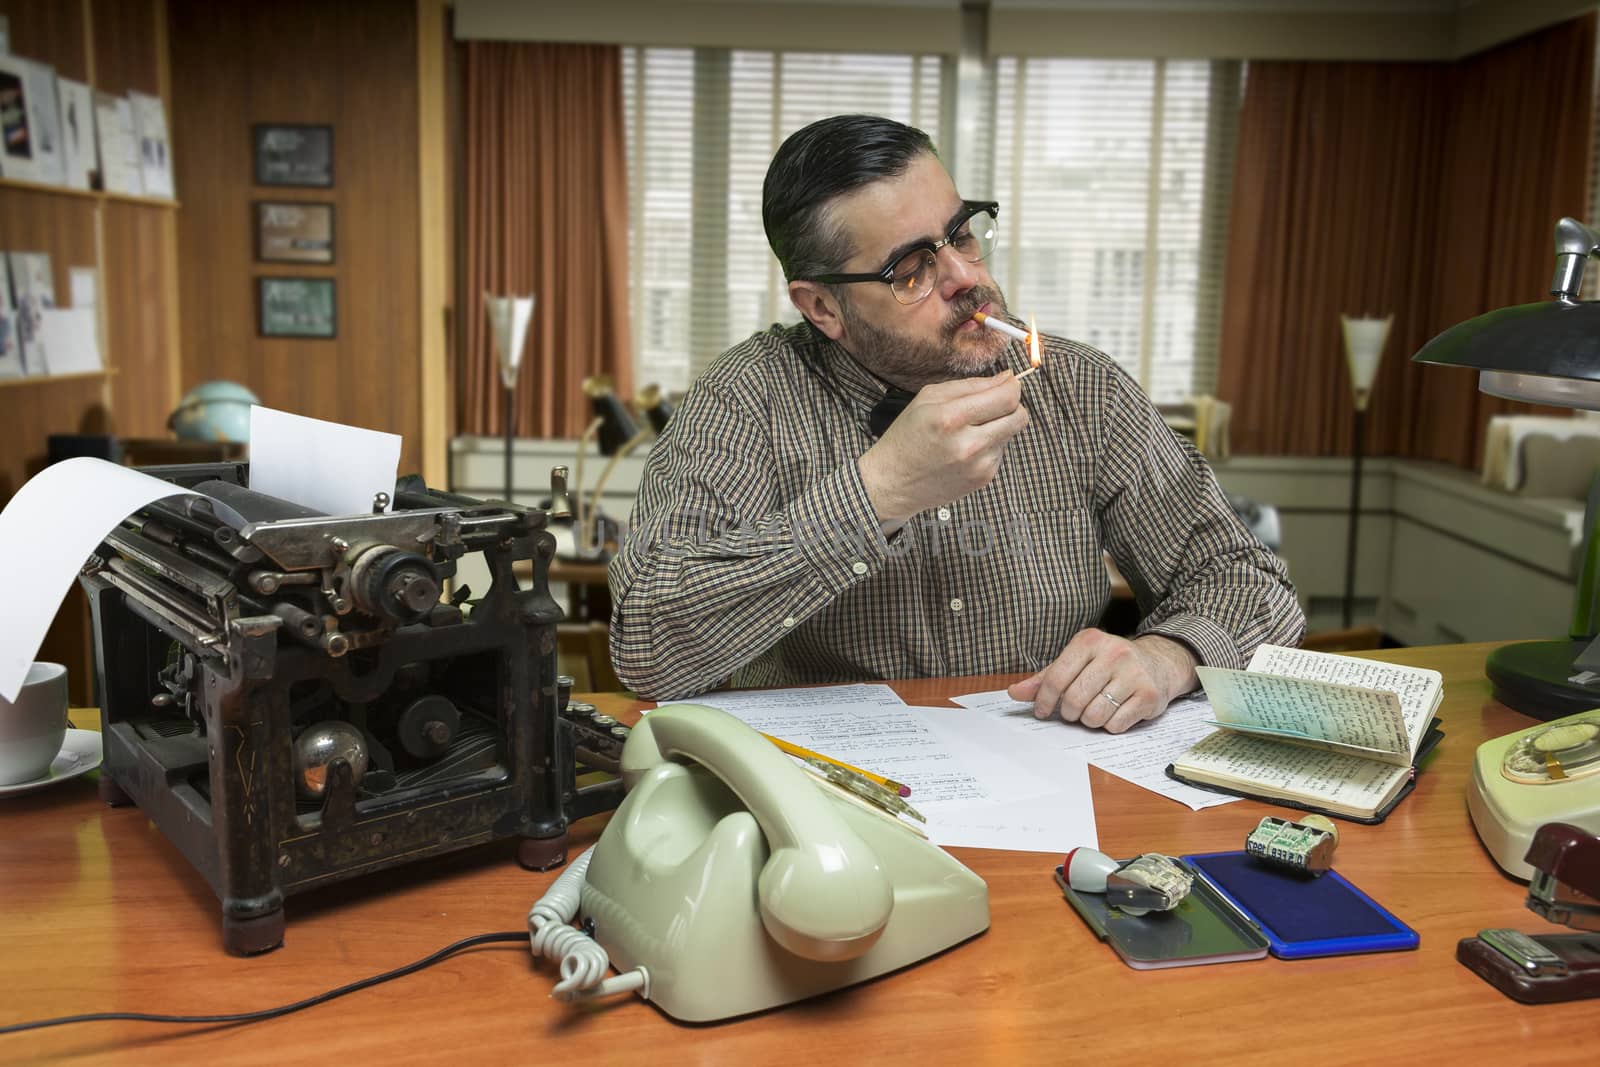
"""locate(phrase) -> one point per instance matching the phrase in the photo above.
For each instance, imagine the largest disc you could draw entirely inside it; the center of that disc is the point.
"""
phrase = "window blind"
(703, 127)
(1113, 190)
(1113, 177)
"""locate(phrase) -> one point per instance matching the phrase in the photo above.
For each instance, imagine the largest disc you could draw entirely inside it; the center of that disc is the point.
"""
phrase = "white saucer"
(79, 754)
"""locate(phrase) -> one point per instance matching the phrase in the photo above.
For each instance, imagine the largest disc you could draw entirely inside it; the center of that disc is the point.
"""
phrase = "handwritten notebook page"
(1418, 689)
(1310, 711)
(1273, 768)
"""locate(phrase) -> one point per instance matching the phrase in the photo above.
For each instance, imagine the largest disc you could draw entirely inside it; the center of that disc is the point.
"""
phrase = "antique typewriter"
(288, 698)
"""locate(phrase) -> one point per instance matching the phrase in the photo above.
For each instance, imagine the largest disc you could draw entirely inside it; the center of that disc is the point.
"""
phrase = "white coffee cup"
(33, 727)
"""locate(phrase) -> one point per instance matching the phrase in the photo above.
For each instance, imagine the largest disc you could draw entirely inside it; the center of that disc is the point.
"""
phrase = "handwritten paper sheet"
(1054, 821)
(1140, 755)
(883, 738)
(973, 795)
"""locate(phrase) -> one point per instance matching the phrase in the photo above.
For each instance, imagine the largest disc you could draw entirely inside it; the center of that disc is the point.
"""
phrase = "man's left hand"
(1108, 682)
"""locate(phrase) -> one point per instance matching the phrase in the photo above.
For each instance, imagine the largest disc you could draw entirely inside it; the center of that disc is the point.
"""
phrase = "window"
(702, 125)
(1112, 178)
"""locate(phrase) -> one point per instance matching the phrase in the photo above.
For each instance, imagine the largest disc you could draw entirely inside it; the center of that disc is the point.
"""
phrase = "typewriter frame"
(243, 832)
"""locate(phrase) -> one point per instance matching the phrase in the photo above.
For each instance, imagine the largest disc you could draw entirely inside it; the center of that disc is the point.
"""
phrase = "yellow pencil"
(805, 753)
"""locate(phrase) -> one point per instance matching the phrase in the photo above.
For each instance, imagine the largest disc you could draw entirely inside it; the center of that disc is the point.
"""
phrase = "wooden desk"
(101, 913)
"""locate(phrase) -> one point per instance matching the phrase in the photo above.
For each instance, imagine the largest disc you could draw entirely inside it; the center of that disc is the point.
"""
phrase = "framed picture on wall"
(297, 307)
(291, 154)
(289, 232)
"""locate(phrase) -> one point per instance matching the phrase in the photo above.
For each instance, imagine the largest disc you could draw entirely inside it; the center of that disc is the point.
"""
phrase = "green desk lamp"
(1544, 353)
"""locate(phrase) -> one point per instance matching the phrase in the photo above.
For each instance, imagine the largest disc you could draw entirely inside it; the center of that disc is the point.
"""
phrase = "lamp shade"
(652, 402)
(1545, 353)
(508, 325)
(1364, 339)
(617, 425)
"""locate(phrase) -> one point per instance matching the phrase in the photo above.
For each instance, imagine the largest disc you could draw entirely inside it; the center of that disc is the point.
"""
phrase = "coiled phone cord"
(583, 959)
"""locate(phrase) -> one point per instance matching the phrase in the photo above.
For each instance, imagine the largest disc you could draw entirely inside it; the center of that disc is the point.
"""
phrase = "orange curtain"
(546, 213)
(1430, 190)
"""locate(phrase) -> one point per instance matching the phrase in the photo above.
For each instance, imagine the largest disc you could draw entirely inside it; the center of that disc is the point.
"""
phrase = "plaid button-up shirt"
(754, 553)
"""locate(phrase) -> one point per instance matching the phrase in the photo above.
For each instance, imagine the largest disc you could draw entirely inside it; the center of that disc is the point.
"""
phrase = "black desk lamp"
(1544, 353)
(618, 433)
(653, 404)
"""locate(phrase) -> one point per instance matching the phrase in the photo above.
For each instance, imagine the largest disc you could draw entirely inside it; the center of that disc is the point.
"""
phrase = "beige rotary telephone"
(1544, 774)
(730, 880)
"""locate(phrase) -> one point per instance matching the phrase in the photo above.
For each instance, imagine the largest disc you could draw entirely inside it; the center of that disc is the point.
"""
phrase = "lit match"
(1033, 349)
(999, 326)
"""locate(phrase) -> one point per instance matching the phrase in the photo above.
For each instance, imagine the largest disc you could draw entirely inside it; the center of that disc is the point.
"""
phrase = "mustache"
(971, 301)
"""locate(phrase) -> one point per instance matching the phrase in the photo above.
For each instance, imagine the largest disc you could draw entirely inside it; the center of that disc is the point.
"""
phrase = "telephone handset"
(730, 880)
(823, 893)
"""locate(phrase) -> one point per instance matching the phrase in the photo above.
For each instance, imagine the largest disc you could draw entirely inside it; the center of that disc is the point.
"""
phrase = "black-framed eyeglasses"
(913, 274)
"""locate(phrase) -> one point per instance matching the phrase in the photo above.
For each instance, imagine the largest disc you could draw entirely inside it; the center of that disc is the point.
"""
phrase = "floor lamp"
(1364, 339)
(1545, 353)
(508, 329)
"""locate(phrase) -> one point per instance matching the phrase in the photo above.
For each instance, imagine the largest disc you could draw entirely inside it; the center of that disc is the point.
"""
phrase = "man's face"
(934, 339)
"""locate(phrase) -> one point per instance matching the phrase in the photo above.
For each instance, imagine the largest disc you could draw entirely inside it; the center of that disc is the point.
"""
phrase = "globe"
(215, 411)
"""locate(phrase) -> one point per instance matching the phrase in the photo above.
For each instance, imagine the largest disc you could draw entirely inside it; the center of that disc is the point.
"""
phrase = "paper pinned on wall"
(84, 285)
(52, 526)
(44, 124)
(154, 150)
(119, 144)
(71, 337)
(327, 466)
(80, 155)
(10, 341)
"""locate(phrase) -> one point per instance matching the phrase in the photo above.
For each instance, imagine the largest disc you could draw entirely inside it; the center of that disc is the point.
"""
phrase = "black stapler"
(1565, 889)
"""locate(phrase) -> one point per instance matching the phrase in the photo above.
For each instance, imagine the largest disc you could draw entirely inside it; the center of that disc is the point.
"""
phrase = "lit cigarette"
(999, 325)
(1033, 349)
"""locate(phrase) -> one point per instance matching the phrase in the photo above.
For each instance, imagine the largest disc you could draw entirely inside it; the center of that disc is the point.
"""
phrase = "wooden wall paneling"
(51, 31)
(209, 100)
(125, 42)
(352, 65)
(303, 376)
(436, 293)
(136, 283)
(381, 284)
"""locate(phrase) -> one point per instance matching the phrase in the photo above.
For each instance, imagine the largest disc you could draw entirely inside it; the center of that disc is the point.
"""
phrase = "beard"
(913, 362)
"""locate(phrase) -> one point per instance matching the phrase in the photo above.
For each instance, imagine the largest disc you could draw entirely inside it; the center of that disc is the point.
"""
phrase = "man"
(873, 494)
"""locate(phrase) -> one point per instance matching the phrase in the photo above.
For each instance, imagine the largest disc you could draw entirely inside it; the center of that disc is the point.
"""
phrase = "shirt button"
(789, 621)
(956, 604)
(944, 514)
(859, 567)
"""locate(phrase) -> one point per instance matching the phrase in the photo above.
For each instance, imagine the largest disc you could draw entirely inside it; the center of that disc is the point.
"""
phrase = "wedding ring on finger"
(1114, 701)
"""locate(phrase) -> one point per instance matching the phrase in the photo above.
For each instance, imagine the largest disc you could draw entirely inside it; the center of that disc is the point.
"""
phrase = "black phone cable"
(287, 1009)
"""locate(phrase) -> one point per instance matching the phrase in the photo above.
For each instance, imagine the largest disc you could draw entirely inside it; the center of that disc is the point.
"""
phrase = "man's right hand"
(945, 444)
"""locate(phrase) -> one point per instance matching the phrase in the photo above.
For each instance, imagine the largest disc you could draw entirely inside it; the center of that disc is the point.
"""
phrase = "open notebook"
(1315, 731)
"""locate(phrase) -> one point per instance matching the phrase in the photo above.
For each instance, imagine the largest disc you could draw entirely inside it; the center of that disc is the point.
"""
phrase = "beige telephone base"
(1513, 791)
(738, 882)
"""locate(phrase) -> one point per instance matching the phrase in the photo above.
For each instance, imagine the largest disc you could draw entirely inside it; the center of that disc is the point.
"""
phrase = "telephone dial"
(730, 880)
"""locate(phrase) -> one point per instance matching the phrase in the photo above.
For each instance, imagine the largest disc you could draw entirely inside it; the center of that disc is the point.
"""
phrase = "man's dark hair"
(819, 163)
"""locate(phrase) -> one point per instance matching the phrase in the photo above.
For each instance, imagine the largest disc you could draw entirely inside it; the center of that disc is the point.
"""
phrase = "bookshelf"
(86, 194)
(130, 241)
